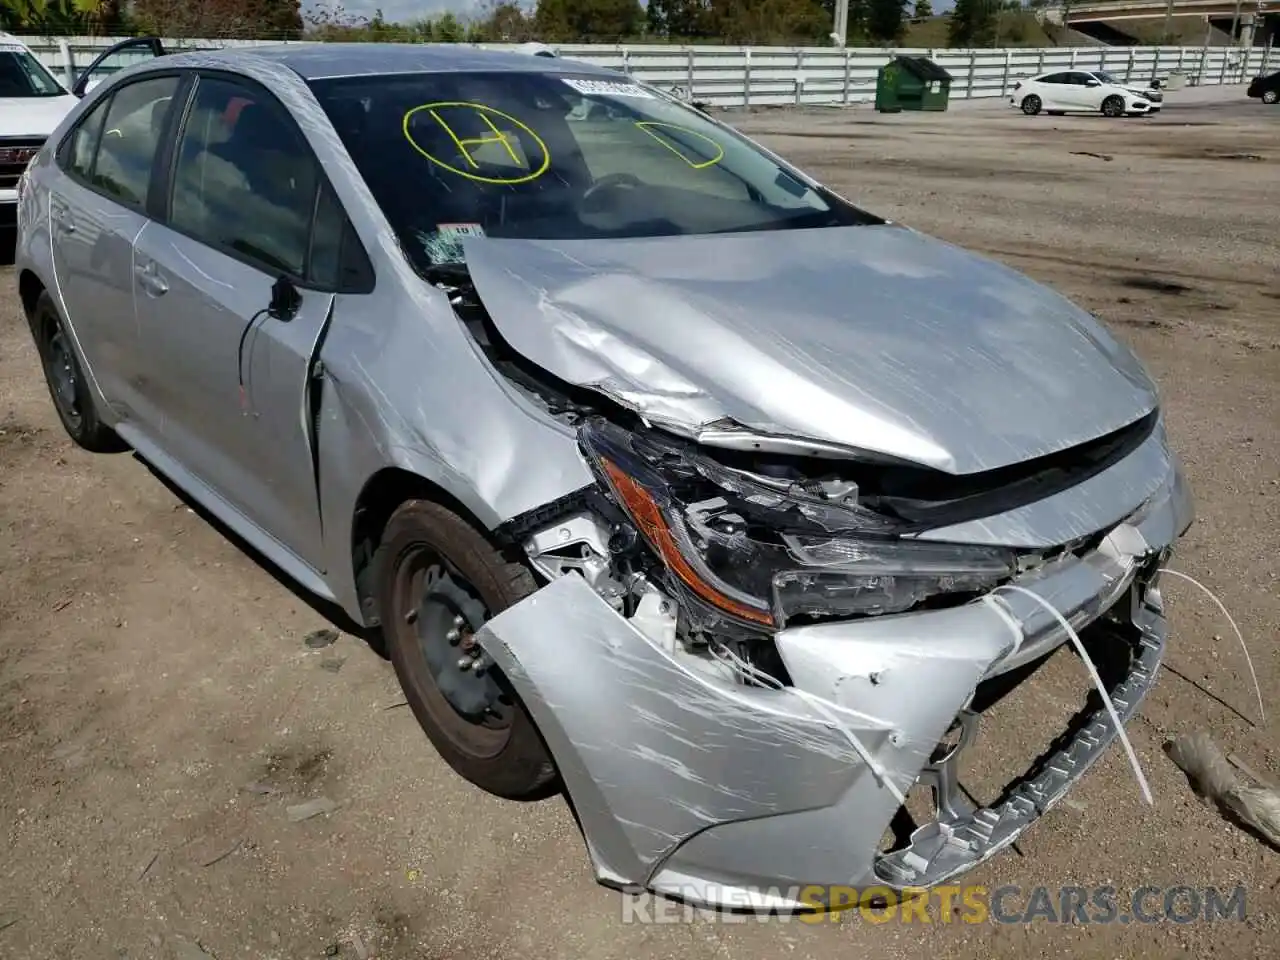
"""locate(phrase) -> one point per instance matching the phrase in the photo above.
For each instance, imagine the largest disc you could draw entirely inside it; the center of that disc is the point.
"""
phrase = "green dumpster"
(912, 83)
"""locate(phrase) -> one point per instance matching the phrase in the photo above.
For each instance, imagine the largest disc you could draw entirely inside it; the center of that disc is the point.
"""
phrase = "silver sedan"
(669, 477)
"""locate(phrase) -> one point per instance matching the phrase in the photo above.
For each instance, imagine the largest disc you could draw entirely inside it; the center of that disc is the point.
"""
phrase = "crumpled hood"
(33, 116)
(873, 337)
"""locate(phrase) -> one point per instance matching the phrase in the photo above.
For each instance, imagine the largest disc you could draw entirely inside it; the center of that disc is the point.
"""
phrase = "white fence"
(780, 76)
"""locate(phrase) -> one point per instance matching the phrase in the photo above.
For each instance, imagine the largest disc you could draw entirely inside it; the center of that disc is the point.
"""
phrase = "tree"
(923, 10)
(884, 19)
(277, 19)
(973, 23)
(503, 21)
(587, 19)
(679, 19)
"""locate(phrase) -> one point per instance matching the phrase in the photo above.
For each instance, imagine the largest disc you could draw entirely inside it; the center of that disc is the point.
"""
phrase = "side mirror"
(1093, 83)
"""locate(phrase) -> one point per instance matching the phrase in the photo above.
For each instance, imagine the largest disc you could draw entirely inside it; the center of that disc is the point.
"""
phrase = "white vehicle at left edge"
(33, 102)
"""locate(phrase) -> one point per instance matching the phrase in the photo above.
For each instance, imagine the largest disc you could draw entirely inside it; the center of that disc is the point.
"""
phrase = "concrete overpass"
(1244, 22)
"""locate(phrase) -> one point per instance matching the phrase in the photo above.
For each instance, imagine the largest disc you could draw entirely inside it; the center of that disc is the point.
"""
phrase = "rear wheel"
(1113, 106)
(1031, 105)
(68, 387)
(1271, 96)
(439, 580)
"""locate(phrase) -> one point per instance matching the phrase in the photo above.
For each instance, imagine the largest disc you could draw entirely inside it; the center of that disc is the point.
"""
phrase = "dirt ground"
(160, 710)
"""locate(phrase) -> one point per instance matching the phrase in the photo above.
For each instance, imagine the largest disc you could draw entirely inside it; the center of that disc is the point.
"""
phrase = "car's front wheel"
(1271, 96)
(438, 581)
(1113, 106)
(68, 388)
(1031, 105)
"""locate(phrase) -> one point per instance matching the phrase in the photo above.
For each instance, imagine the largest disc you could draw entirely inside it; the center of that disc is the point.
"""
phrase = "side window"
(83, 143)
(245, 180)
(129, 139)
(1054, 78)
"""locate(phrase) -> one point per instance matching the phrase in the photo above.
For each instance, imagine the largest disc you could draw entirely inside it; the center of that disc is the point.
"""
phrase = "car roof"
(316, 61)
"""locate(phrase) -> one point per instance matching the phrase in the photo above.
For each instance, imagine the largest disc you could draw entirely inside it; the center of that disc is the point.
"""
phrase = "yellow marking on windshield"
(464, 144)
(649, 126)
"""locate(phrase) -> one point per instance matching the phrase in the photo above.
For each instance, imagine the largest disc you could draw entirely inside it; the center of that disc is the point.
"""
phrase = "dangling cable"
(1097, 682)
(240, 356)
(1239, 636)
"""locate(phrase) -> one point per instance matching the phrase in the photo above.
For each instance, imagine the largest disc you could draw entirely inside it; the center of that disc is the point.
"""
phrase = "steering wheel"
(610, 181)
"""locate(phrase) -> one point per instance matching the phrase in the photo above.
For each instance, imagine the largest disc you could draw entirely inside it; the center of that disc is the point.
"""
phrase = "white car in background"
(32, 104)
(1084, 91)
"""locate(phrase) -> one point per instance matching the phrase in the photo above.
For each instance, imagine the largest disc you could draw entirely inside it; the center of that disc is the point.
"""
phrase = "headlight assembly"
(762, 551)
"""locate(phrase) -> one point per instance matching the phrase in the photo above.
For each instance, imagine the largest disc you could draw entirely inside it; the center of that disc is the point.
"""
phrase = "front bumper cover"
(716, 793)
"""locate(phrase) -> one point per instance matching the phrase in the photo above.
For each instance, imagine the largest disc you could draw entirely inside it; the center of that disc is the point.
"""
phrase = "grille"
(15, 154)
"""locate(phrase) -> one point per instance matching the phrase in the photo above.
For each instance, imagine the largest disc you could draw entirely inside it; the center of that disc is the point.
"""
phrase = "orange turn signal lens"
(647, 515)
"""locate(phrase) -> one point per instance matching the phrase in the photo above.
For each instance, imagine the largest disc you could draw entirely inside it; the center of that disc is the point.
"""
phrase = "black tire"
(1271, 96)
(1031, 105)
(1113, 106)
(498, 748)
(68, 388)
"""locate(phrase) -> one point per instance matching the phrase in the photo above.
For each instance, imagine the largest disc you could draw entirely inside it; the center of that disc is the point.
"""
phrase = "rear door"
(1053, 91)
(114, 59)
(248, 216)
(97, 207)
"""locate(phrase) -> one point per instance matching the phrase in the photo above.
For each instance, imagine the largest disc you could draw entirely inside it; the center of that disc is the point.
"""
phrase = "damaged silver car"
(670, 477)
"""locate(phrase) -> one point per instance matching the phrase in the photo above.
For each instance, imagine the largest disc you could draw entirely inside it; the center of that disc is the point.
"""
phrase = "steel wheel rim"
(61, 370)
(429, 597)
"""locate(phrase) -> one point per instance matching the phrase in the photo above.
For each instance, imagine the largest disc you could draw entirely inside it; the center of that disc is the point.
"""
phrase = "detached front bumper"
(731, 795)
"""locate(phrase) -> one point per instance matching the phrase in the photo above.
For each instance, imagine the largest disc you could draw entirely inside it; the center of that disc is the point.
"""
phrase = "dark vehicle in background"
(1266, 89)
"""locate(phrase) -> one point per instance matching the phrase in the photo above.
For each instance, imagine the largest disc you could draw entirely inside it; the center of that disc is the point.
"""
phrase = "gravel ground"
(160, 711)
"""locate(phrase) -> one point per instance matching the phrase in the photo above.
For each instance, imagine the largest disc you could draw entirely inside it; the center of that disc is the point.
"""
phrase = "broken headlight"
(765, 551)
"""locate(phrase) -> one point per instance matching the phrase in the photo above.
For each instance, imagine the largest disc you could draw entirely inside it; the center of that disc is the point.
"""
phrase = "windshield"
(1106, 77)
(22, 75)
(556, 156)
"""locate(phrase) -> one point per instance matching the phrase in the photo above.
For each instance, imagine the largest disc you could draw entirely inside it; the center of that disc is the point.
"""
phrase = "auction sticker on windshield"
(608, 88)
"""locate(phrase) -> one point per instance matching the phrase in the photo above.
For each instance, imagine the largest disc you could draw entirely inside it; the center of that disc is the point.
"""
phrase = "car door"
(1049, 89)
(96, 209)
(119, 57)
(1087, 91)
(249, 224)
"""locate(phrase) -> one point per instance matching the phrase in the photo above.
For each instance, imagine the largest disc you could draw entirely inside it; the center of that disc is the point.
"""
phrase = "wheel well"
(29, 289)
(384, 492)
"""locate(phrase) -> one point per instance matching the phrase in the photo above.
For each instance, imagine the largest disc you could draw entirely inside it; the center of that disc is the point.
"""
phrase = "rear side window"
(245, 181)
(84, 143)
(1055, 78)
(130, 135)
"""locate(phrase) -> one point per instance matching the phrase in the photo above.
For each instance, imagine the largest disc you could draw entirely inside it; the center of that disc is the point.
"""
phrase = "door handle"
(150, 280)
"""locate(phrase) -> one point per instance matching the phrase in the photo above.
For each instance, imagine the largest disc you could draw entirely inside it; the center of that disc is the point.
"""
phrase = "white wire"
(1262, 711)
(1097, 682)
(821, 706)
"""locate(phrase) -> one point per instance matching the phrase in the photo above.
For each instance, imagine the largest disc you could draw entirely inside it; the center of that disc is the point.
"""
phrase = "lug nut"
(458, 620)
(453, 636)
(464, 663)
